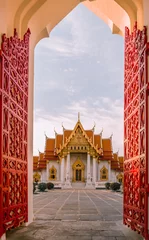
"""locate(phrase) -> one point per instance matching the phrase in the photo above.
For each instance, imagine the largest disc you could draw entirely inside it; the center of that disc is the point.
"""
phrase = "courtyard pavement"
(76, 215)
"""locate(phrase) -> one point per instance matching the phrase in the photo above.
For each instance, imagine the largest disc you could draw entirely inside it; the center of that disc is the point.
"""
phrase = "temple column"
(88, 168)
(47, 169)
(62, 170)
(67, 183)
(88, 182)
(94, 170)
(59, 171)
(109, 171)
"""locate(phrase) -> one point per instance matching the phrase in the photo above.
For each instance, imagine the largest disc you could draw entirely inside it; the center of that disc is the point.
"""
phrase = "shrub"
(115, 186)
(42, 186)
(50, 185)
(107, 185)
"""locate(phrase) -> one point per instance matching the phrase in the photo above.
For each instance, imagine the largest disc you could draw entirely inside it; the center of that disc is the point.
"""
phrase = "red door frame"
(14, 59)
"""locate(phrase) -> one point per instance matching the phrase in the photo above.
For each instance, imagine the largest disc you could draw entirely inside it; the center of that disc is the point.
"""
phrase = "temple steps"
(78, 185)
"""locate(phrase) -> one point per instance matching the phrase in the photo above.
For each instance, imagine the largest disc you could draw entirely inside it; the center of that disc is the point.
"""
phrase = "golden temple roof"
(121, 161)
(66, 135)
(41, 161)
(115, 165)
(50, 144)
(54, 147)
(97, 141)
(59, 141)
(107, 148)
(35, 162)
(90, 134)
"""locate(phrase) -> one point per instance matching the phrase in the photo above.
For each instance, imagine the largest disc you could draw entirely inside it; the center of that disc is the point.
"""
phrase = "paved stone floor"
(76, 215)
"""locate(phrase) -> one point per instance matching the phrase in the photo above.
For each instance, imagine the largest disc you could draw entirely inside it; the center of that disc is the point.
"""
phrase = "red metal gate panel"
(135, 129)
(14, 58)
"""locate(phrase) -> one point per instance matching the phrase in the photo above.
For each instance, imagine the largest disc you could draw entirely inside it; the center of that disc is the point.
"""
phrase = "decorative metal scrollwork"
(135, 128)
(14, 61)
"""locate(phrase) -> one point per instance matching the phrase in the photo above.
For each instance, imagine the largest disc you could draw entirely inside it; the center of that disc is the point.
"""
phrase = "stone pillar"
(88, 181)
(88, 168)
(62, 170)
(98, 174)
(47, 171)
(58, 170)
(94, 170)
(67, 182)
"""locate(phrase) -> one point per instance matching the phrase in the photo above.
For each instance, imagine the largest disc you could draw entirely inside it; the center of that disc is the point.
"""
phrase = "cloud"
(79, 68)
(110, 119)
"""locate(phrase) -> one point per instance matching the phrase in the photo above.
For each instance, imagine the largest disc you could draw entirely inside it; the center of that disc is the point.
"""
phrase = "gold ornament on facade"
(36, 177)
(120, 177)
(103, 174)
(52, 173)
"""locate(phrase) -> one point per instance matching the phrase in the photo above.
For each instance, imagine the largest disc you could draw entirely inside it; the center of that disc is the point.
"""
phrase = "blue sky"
(79, 68)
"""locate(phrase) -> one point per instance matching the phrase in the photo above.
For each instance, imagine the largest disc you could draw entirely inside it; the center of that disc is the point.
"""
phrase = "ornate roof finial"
(45, 135)
(93, 129)
(63, 126)
(111, 136)
(39, 151)
(55, 131)
(78, 117)
(101, 132)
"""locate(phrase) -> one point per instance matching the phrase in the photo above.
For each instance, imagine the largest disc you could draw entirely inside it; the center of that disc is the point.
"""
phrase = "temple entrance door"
(78, 175)
(78, 170)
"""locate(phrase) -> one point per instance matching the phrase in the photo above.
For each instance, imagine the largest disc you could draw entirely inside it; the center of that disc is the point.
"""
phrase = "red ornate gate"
(14, 58)
(135, 131)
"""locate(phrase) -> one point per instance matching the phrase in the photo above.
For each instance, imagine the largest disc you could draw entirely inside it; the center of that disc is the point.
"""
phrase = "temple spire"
(78, 117)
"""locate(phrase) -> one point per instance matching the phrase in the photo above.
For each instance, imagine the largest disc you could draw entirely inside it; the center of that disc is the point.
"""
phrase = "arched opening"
(32, 13)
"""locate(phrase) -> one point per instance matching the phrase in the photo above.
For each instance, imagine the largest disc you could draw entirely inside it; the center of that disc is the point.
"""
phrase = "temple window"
(53, 173)
(120, 178)
(104, 174)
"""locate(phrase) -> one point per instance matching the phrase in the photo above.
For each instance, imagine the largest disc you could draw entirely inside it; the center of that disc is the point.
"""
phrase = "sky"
(79, 68)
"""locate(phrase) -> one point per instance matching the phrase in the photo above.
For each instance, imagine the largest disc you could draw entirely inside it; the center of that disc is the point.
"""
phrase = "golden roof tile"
(89, 134)
(97, 140)
(107, 148)
(66, 134)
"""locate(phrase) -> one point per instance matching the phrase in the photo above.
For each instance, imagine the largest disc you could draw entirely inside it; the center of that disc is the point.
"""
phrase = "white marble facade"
(65, 175)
